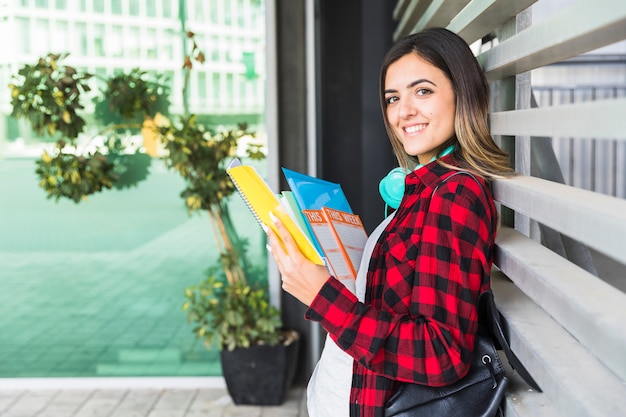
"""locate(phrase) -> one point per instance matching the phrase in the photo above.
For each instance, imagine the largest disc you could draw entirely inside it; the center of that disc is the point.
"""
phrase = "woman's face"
(420, 105)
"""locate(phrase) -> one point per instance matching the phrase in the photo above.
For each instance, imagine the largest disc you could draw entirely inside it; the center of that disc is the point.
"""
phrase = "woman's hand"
(301, 278)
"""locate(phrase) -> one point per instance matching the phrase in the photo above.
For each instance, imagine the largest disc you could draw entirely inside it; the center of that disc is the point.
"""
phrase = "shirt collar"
(430, 174)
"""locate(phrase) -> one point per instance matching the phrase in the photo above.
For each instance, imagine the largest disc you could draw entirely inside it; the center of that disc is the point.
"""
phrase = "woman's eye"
(391, 100)
(423, 91)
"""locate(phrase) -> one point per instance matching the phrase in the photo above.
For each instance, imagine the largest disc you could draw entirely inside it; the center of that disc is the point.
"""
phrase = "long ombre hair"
(476, 150)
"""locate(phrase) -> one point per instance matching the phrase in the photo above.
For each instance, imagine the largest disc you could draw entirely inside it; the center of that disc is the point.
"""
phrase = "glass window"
(98, 6)
(166, 50)
(60, 34)
(115, 42)
(169, 75)
(133, 7)
(198, 11)
(24, 39)
(228, 14)
(167, 8)
(151, 43)
(83, 44)
(98, 40)
(41, 32)
(132, 43)
(151, 8)
(224, 48)
(213, 11)
(83, 319)
(213, 49)
(215, 88)
(247, 100)
(241, 14)
(101, 72)
(230, 89)
(202, 88)
(116, 7)
(249, 62)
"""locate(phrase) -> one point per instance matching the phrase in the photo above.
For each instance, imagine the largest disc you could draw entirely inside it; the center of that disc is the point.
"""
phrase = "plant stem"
(233, 270)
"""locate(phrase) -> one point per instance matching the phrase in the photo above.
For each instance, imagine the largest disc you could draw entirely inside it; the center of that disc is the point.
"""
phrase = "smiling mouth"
(415, 128)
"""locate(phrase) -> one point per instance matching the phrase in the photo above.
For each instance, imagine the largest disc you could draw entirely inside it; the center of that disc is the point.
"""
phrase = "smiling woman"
(447, 64)
(413, 317)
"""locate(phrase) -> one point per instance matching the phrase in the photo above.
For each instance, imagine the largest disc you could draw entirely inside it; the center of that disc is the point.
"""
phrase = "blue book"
(314, 193)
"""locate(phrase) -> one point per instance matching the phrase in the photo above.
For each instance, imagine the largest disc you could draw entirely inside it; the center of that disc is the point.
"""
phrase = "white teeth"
(413, 129)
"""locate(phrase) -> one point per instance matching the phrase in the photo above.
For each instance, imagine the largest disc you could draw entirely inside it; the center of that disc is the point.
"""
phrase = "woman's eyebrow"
(411, 85)
(421, 80)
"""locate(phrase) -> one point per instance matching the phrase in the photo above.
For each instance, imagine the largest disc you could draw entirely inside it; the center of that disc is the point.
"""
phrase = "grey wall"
(353, 149)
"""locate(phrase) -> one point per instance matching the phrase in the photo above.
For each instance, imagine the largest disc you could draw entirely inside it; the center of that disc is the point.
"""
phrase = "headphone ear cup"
(391, 187)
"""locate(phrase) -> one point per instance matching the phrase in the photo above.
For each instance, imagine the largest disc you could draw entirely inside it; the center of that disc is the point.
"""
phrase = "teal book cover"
(313, 193)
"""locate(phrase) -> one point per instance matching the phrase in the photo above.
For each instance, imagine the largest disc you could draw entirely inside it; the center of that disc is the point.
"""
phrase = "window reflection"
(133, 7)
(69, 315)
(116, 7)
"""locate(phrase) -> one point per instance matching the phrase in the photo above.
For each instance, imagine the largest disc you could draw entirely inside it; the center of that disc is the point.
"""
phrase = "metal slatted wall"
(559, 244)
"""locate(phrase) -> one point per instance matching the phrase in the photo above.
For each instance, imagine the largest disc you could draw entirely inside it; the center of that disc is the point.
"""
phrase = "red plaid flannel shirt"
(419, 318)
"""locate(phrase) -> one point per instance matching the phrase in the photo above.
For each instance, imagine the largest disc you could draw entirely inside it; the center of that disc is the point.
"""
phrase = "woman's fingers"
(300, 277)
(286, 238)
(275, 246)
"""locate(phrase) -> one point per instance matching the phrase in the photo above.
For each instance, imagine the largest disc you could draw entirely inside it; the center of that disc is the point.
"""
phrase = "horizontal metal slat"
(597, 23)
(597, 220)
(439, 13)
(577, 384)
(409, 17)
(482, 17)
(399, 9)
(602, 119)
(590, 309)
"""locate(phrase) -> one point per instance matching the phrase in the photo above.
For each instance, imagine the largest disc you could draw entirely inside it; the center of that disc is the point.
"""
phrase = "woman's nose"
(407, 108)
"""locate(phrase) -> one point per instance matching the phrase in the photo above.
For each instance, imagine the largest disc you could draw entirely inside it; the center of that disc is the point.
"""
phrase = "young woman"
(413, 315)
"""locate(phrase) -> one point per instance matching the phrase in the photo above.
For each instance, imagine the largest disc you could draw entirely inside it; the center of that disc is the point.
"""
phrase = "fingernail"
(273, 217)
(265, 228)
(268, 247)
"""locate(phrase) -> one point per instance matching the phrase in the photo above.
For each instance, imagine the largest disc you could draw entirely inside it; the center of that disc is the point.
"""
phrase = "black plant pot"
(260, 375)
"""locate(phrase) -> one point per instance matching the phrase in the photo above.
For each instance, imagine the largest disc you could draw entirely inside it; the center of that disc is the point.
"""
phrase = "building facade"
(109, 37)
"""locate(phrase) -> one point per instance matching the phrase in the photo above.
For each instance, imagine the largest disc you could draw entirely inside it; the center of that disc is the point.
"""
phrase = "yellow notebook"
(261, 200)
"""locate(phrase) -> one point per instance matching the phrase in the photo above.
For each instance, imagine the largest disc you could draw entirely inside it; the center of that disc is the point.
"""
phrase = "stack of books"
(315, 212)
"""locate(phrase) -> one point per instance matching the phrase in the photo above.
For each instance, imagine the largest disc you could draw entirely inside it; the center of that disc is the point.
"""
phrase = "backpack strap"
(490, 317)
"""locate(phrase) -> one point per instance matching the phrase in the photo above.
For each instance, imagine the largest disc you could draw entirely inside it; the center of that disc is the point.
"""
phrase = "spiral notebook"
(260, 199)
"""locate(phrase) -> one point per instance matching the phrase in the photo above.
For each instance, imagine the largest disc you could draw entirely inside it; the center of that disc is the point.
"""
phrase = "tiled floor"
(210, 402)
(96, 288)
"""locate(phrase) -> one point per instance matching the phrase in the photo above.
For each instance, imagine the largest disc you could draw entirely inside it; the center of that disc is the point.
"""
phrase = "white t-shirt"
(328, 391)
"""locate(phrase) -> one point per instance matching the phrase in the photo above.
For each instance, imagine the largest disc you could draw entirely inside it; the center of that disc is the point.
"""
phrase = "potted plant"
(257, 354)
(230, 311)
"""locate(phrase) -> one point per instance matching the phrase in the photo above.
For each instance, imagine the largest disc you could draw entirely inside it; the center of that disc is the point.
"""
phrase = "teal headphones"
(391, 187)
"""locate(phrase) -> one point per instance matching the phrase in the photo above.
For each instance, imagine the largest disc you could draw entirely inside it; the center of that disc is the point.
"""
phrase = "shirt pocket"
(400, 251)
